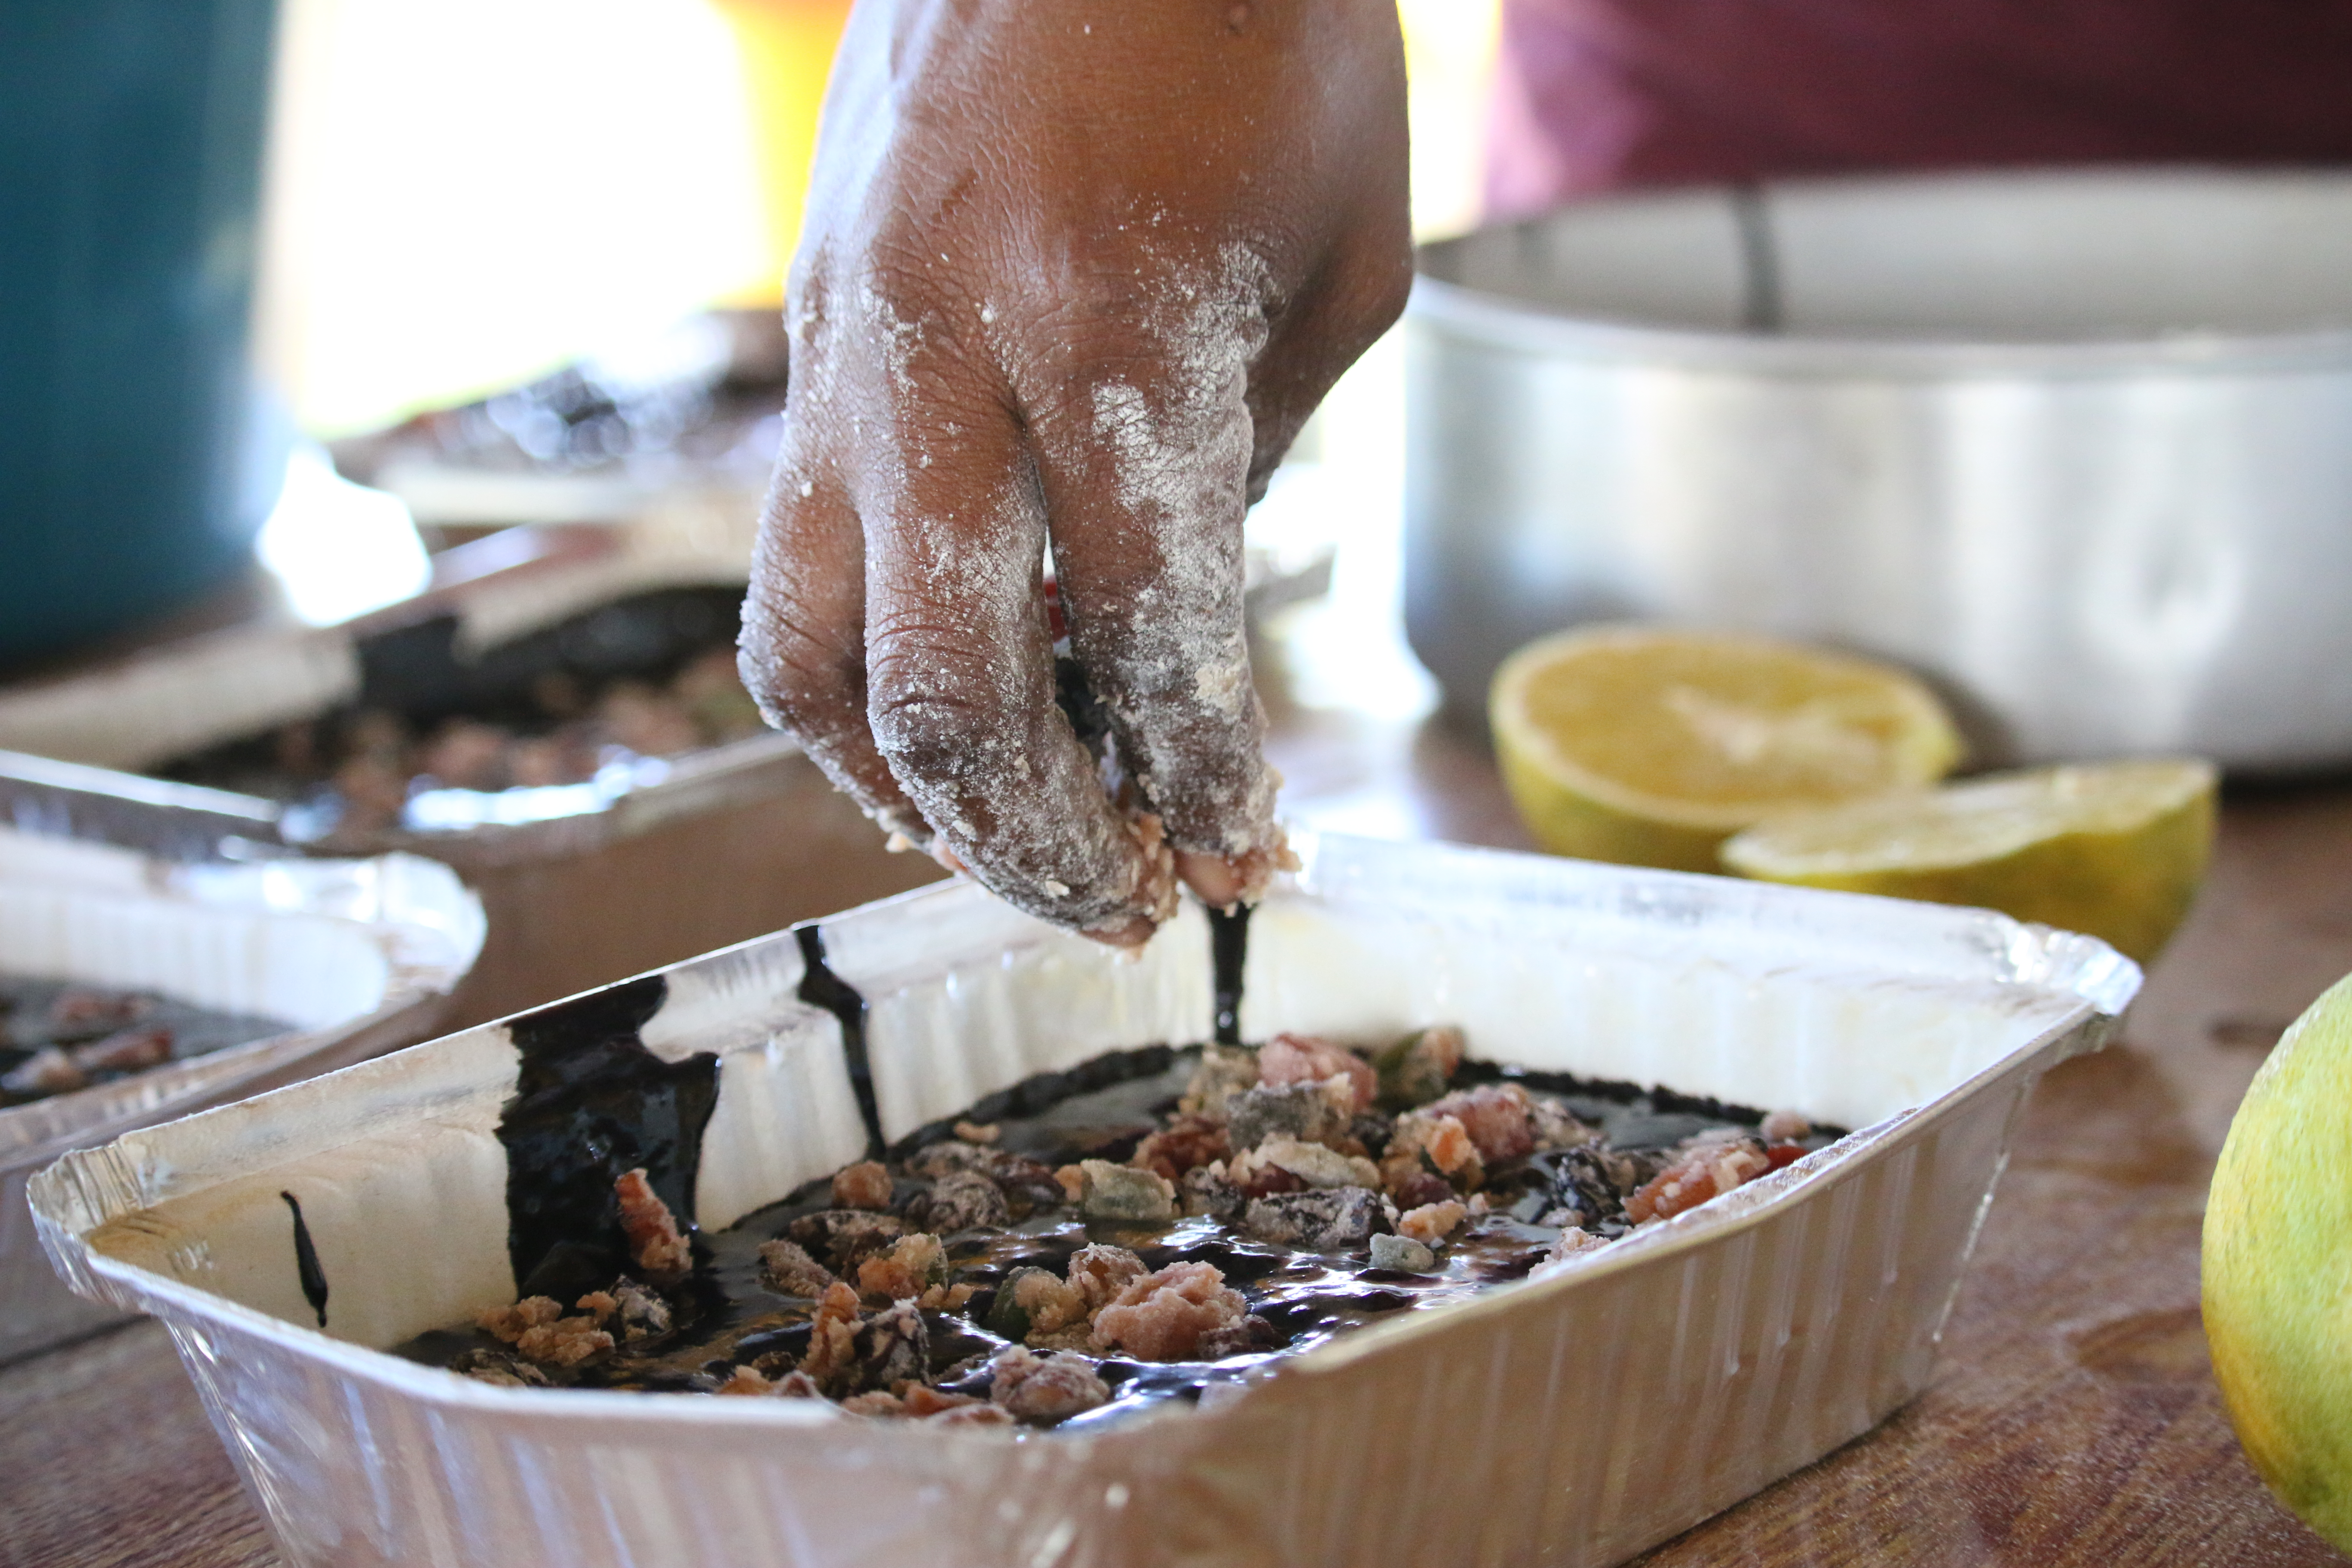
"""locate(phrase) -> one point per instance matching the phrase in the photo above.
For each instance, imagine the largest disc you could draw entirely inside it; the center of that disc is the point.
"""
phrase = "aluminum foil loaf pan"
(1573, 1419)
(712, 845)
(355, 957)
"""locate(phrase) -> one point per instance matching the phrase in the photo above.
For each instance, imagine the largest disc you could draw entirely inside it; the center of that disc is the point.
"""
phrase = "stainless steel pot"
(2078, 446)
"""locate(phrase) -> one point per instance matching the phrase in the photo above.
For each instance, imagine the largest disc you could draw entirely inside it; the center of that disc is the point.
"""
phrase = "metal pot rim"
(1499, 322)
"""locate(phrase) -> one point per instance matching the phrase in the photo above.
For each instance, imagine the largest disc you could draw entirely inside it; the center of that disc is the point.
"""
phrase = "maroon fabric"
(1596, 95)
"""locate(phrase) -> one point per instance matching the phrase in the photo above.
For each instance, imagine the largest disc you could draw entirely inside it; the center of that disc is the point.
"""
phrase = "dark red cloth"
(1596, 95)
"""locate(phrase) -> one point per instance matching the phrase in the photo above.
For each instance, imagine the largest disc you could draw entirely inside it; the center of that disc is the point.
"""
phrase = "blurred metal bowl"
(2076, 444)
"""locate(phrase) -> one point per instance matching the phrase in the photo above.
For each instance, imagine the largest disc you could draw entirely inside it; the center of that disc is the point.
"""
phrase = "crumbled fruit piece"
(1287, 1110)
(831, 1355)
(786, 1269)
(567, 1342)
(1417, 1069)
(1707, 1166)
(846, 1237)
(1496, 1118)
(1121, 1192)
(509, 1323)
(1315, 1164)
(1302, 1058)
(1181, 1147)
(1162, 1315)
(1045, 1389)
(1098, 1274)
(1226, 1071)
(1338, 1220)
(865, 1186)
(962, 1200)
(1252, 1335)
(1050, 1304)
(656, 1244)
(1403, 1253)
(1431, 1223)
(912, 1266)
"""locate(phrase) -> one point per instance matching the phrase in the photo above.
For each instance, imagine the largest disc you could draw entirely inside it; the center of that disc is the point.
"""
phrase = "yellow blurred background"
(464, 194)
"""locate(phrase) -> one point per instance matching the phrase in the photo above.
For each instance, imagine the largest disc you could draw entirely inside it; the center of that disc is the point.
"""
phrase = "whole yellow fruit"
(2278, 1268)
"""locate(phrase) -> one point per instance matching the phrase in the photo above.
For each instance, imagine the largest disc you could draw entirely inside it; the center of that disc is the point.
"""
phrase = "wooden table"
(2073, 1419)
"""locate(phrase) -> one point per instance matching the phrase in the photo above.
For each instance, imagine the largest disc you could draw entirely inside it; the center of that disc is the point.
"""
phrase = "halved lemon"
(2115, 850)
(1652, 746)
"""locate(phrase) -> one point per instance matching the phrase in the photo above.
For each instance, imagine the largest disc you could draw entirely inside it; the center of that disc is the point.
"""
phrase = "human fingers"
(802, 650)
(958, 665)
(1143, 449)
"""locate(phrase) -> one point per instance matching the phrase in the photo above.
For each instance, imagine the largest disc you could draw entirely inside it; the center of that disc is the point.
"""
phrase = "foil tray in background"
(1574, 1419)
(683, 856)
(357, 956)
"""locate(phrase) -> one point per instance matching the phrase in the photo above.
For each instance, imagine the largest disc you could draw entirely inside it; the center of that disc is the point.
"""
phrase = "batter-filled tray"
(1534, 1390)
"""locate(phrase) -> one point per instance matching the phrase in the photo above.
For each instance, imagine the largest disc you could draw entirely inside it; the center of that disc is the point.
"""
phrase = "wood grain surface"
(2073, 1419)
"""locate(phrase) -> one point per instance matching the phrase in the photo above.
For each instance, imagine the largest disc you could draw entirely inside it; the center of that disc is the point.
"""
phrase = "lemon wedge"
(1652, 746)
(2115, 850)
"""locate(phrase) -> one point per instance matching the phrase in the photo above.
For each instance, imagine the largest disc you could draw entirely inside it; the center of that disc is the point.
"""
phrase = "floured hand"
(1073, 270)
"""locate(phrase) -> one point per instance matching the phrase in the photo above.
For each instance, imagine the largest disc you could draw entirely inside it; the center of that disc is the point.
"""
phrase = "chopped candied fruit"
(1162, 1315)
(1224, 1072)
(1338, 1220)
(1572, 1244)
(1208, 1191)
(656, 1244)
(1403, 1253)
(1184, 1145)
(922, 1399)
(1099, 1274)
(1417, 1069)
(831, 1354)
(1044, 1389)
(1302, 1058)
(786, 1269)
(962, 1200)
(747, 1380)
(973, 1416)
(875, 1402)
(1431, 1223)
(1300, 1111)
(1047, 1304)
(1315, 1164)
(508, 1323)
(567, 1342)
(1497, 1116)
(1707, 1166)
(846, 1237)
(1429, 1142)
(1122, 1192)
(865, 1186)
(936, 1160)
(911, 1267)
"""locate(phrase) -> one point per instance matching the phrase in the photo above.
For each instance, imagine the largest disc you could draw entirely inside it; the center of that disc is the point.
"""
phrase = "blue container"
(130, 142)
